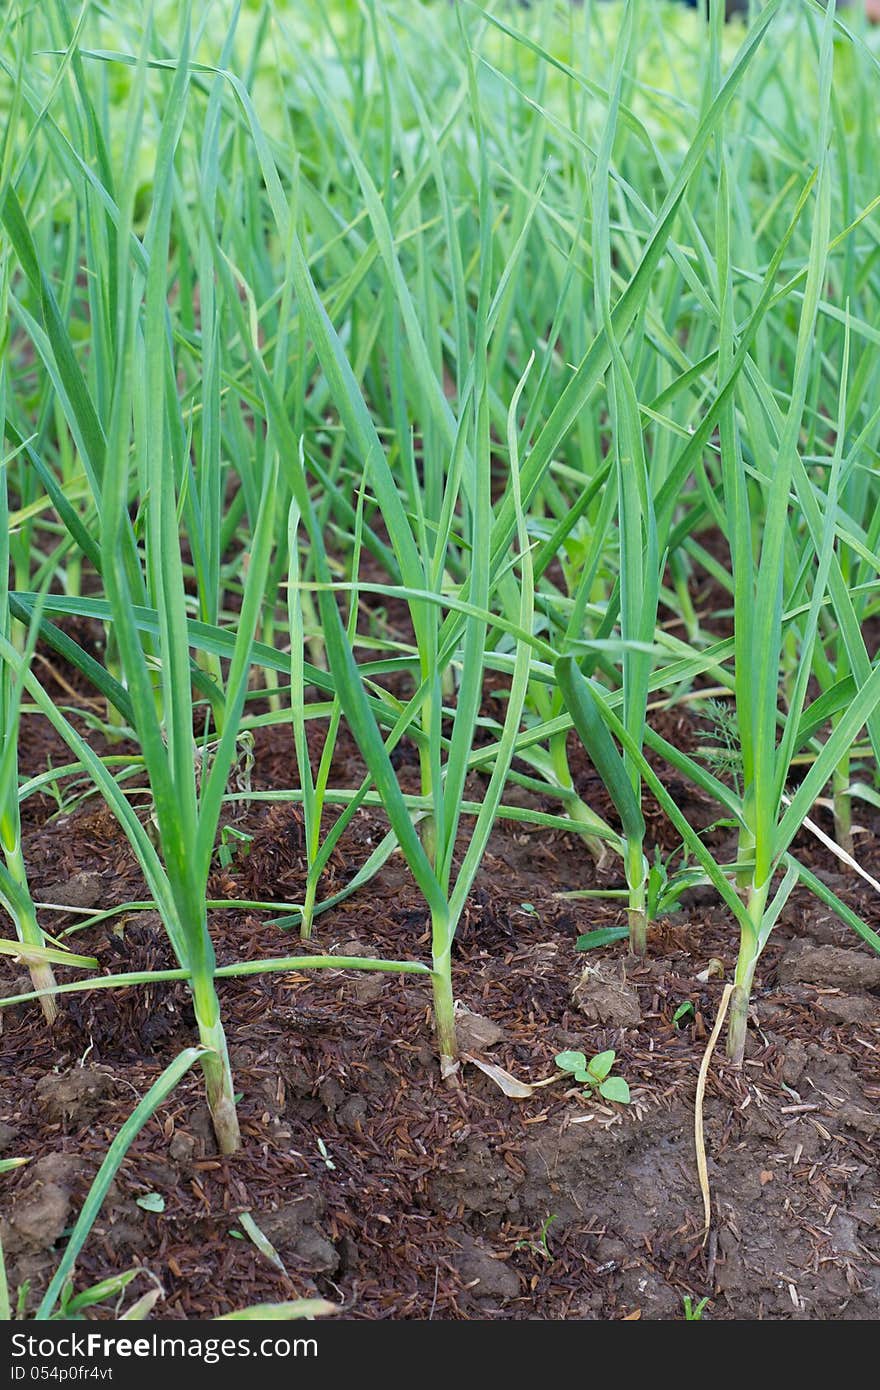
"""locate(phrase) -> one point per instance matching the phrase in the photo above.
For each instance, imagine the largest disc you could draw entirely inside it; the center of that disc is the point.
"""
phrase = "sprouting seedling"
(545, 1232)
(233, 843)
(662, 889)
(594, 1074)
(685, 1010)
(665, 887)
(693, 1312)
(723, 749)
(541, 1245)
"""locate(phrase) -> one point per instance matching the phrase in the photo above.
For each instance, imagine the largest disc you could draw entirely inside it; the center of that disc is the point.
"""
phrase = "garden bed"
(397, 1196)
(439, 518)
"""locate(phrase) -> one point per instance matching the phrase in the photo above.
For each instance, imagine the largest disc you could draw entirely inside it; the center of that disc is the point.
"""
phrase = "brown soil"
(399, 1197)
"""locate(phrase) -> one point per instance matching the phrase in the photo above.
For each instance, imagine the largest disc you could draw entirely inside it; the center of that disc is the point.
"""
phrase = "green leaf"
(844, 912)
(581, 697)
(8, 1165)
(262, 1242)
(602, 936)
(570, 1061)
(601, 1064)
(282, 1312)
(151, 1201)
(615, 1088)
(97, 1293)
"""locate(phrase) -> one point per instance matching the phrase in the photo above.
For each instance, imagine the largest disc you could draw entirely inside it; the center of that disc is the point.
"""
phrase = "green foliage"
(594, 1074)
(602, 936)
(486, 389)
(693, 1312)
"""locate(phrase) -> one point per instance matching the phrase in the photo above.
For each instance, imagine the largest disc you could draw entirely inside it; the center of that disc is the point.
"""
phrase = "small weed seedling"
(234, 844)
(540, 1246)
(693, 1312)
(594, 1074)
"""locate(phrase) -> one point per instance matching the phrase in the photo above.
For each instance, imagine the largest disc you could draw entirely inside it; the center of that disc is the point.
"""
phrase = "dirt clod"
(795, 1059)
(80, 890)
(835, 966)
(74, 1096)
(40, 1210)
(604, 996)
(182, 1148)
(482, 1272)
(294, 1231)
(852, 1008)
(8, 1136)
(369, 987)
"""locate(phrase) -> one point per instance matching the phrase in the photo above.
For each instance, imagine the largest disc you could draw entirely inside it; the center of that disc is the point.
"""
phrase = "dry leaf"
(516, 1090)
(141, 1310)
